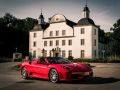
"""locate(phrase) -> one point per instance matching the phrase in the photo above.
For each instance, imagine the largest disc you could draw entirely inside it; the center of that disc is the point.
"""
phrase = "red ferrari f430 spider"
(55, 69)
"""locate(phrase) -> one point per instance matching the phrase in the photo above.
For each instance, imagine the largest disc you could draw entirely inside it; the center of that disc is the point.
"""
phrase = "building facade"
(62, 37)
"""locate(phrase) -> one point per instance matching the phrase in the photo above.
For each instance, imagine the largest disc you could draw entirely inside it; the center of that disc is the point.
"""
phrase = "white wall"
(58, 27)
(39, 42)
(76, 47)
(93, 38)
(87, 36)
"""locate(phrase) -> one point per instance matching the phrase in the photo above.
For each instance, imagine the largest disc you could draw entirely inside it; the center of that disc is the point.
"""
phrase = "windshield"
(58, 60)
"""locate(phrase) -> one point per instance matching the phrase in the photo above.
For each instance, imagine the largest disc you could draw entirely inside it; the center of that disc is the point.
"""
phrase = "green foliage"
(96, 61)
(18, 60)
(114, 40)
(85, 60)
(42, 59)
(70, 58)
(14, 33)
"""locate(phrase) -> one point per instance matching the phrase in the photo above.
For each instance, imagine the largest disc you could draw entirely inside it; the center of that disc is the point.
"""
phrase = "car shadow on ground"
(94, 80)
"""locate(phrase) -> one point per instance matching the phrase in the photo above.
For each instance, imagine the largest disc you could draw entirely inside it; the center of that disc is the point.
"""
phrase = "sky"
(103, 12)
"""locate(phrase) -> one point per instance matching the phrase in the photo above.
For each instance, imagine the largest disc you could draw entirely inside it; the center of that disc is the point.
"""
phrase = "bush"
(113, 61)
(70, 58)
(85, 60)
(96, 61)
(18, 59)
(3, 59)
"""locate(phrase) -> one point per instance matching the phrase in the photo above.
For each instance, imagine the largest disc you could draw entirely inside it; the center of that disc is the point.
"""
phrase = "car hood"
(77, 67)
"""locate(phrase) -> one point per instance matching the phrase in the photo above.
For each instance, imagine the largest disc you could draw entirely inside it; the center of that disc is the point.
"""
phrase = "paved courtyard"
(106, 77)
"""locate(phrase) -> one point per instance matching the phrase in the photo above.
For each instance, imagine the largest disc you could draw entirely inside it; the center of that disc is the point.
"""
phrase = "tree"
(14, 33)
(114, 44)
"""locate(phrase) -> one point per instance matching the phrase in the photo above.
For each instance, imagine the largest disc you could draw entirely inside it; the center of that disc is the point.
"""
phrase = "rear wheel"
(24, 73)
(53, 76)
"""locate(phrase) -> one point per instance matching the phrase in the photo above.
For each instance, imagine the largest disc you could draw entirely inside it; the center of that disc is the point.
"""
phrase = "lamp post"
(16, 50)
(103, 52)
(43, 51)
(53, 50)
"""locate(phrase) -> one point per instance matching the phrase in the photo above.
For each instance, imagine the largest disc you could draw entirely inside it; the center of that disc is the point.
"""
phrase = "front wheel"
(53, 76)
(24, 73)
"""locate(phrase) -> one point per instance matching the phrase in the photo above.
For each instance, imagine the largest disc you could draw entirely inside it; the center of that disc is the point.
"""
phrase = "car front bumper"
(66, 76)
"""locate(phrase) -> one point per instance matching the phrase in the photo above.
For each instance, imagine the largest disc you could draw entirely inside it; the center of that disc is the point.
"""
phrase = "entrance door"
(56, 54)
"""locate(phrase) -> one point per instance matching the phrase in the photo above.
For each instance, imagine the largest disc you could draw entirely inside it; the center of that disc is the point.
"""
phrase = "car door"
(41, 70)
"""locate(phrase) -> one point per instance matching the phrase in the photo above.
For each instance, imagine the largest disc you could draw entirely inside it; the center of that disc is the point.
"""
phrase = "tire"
(53, 76)
(24, 73)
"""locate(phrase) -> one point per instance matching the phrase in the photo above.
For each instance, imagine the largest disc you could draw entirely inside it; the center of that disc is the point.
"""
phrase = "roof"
(40, 27)
(85, 21)
(86, 8)
(70, 23)
(57, 18)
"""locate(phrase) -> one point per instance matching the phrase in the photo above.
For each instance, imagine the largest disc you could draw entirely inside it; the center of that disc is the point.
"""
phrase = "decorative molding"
(58, 37)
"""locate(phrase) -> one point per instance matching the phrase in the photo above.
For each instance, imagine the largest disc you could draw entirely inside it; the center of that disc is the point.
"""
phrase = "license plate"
(86, 73)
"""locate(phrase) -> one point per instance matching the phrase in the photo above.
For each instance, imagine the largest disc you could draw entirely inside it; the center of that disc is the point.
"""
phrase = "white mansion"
(62, 37)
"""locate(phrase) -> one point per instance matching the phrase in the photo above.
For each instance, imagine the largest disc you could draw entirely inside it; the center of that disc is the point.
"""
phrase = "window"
(94, 31)
(51, 33)
(94, 42)
(82, 41)
(57, 42)
(63, 42)
(34, 44)
(63, 33)
(51, 43)
(57, 33)
(34, 35)
(70, 42)
(70, 53)
(82, 30)
(45, 43)
(63, 53)
(82, 53)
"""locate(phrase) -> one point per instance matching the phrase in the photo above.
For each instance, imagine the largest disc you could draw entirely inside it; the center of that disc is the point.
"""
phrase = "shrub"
(96, 60)
(18, 59)
(85, 60)
(70, 58)
(113, 61)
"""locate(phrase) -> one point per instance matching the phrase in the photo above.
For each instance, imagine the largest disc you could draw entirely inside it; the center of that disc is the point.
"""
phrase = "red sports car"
(55, 69)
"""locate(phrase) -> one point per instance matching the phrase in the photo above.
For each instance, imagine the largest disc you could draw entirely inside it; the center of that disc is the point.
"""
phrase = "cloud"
(103, 12)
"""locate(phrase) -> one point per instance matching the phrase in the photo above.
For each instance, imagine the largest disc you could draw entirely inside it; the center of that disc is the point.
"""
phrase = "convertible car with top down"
(55, 69)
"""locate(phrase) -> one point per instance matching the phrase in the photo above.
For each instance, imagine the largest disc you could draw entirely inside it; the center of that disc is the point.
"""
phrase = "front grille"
(75, 76)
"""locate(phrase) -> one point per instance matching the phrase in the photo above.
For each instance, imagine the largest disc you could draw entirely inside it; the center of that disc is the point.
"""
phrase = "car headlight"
(66, 67)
